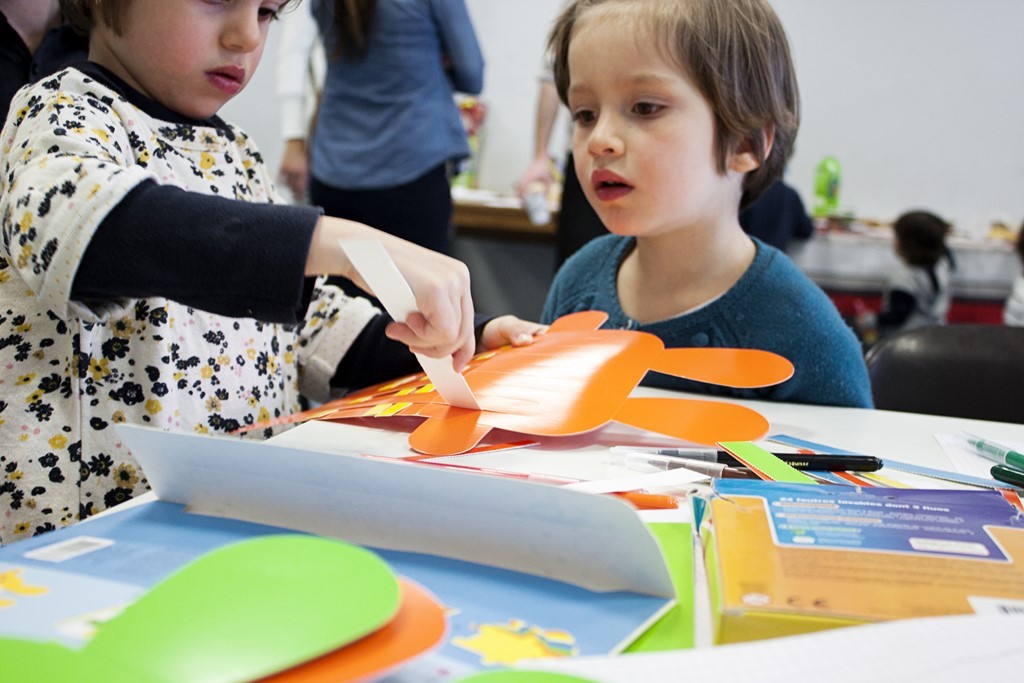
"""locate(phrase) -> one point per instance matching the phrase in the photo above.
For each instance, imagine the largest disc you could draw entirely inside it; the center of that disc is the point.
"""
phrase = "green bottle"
(826, 187)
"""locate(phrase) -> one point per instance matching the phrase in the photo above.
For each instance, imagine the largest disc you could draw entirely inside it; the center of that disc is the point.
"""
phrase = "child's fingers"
(467, 333)
(445, 320)
(508, 329)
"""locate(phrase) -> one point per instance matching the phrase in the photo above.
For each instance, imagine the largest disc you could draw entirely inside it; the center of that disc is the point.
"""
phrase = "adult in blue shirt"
(387, 131)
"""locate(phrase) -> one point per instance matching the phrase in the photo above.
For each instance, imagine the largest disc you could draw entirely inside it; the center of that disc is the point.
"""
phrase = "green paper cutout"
(761, 459)
(674, 630)
(240, 612)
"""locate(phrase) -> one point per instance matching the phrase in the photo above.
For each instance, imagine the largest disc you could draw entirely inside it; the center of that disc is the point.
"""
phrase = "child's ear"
(744, 159)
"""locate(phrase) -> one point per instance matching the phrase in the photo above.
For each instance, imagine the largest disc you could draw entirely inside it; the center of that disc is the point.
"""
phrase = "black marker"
(828, 462)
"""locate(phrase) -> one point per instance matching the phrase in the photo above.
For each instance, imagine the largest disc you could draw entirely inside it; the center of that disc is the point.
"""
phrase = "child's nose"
(243, 33)
(604, 138)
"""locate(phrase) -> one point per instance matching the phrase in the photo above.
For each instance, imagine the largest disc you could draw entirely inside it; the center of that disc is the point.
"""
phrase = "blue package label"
(936, 522)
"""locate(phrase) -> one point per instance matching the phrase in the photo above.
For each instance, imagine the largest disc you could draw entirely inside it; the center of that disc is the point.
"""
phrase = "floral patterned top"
(72, 370)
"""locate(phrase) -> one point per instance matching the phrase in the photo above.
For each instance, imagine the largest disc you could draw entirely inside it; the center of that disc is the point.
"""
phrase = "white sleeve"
(298, 39)
(65, 165)
(332, 323)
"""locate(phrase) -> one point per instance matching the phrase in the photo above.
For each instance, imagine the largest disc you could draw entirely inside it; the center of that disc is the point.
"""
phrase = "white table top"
(906, 437)
(901, 436)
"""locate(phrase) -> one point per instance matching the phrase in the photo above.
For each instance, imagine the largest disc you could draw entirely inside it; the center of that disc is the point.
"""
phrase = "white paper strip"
(380, 272)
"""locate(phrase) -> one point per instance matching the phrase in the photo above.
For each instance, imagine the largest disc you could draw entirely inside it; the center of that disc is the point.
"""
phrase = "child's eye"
(583, 116)
(271, 11)
(647, 108)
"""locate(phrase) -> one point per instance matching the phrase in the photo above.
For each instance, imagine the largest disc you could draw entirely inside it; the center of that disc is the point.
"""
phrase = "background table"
(850, 265)
(480, 212)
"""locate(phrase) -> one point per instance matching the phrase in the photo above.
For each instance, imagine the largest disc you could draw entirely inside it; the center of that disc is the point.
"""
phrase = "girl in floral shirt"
(149, 273)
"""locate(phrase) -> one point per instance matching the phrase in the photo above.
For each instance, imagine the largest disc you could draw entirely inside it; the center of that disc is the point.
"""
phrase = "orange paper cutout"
(572, 379)
(418, 626)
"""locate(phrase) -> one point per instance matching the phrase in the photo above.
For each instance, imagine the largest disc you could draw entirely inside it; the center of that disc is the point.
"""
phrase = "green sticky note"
(675, 630)
(758, 458)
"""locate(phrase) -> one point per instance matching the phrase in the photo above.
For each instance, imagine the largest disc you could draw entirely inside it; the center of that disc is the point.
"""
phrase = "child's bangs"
(664, 23)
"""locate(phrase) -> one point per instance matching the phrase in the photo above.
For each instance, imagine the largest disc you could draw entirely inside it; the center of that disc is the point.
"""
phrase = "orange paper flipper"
(571, 380)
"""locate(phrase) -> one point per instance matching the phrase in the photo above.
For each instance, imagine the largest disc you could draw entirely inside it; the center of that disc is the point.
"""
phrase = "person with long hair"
(387, 131)
(919, 289)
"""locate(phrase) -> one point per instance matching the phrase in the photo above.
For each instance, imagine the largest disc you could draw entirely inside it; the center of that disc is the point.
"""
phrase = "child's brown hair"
(737, 54)
(921, 238)
(83, 14)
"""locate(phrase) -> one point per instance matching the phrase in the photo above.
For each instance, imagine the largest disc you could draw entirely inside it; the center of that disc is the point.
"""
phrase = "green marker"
(1008, 475)
(994, 451)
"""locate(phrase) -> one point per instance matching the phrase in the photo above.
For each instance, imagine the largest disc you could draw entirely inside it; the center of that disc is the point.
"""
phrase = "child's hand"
(508, 329)
(443, 325)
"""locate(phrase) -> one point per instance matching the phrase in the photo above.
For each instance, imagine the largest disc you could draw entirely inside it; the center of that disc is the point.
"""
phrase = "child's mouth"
(609, 187)
(227, 79)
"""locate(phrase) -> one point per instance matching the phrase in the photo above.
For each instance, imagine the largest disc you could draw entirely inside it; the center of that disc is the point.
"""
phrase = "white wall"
(922, 101)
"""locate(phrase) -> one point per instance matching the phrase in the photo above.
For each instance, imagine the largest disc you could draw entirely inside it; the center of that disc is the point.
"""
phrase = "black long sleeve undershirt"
(220, 255)
(226, 257)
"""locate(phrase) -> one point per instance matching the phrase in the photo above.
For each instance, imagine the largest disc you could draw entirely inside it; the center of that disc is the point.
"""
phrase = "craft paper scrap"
(573, 379)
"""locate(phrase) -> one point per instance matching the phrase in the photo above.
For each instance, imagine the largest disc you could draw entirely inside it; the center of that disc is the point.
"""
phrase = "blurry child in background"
(1013, 314)
(684, 111)
(918, 292)
(149, 273)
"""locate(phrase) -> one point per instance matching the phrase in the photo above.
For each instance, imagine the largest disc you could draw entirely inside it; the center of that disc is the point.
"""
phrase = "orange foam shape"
(418, 627)
(571, 380)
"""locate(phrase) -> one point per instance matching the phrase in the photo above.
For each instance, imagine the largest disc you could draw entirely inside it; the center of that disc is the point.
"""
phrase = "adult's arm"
(544, 123)
(460, 45)
(297, 38)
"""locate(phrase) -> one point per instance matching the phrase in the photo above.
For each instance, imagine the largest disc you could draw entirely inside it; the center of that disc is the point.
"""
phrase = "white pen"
(642, 461)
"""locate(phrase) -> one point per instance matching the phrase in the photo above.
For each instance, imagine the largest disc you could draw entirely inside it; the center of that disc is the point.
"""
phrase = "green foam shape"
(240, 612)
(766, 462)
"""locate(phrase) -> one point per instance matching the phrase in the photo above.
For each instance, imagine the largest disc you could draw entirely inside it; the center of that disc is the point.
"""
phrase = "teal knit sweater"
(774, 307)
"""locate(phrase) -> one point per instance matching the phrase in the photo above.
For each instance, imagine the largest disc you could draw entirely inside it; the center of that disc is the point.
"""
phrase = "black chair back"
(968, 370)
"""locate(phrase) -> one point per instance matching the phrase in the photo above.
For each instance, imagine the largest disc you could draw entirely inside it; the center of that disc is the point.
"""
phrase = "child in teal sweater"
(685, 111)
